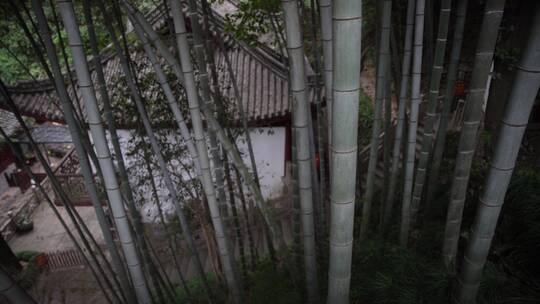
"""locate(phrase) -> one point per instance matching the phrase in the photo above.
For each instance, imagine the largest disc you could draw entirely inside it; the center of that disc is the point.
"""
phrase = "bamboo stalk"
(410, 153)
(346, 43)
(226, 257)
(382, 69)
(102, 150)
(157, 151)
(252, 249)
(485, 48)
(402, 107)
(204, 82)
(78, 224)
(431, 112)
(214, 126)
(325, 7)
(301, 125)
(513, 125)
(81, 153)
(455, 53)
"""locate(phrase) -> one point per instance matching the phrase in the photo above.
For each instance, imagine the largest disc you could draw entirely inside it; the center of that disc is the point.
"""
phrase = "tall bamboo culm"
(226, 256)
(440, 141)
(215, 126)
(382, 68)
(86, 170)
(154, 275)
(513, 125)
(102, 150)
(431, 112)
(402, 107)
(485, 48)
(206, 99)
(347, 28)
(410, 151)
(325, 7)
(301, 124)
(134, 92)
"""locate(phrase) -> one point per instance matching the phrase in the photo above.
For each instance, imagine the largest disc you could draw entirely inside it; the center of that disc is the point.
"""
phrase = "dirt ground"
(76, 285)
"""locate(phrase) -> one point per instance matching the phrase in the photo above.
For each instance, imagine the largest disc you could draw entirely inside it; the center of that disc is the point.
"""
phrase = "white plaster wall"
(269, 150)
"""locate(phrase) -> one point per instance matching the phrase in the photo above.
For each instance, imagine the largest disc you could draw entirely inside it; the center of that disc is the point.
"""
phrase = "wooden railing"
(72, 181)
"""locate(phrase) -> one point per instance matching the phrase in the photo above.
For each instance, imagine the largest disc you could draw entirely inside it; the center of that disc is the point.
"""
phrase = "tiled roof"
(48, 133)
(8, 122)
(260, 73)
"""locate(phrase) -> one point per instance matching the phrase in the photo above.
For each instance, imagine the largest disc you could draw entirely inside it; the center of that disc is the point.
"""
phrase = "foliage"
(270, 284)
(251, 20)
(27, 255)
(507, 56)
(386, 273)
(138, 148)
(518, 237)
(369, 26)
(196, 290)
(365, 119)
(18, 58)
(29, 275)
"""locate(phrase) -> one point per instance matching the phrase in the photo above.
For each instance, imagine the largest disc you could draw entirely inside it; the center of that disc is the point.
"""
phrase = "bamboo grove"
(338, 197)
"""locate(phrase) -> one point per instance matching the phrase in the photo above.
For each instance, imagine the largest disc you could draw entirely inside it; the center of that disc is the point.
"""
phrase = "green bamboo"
(493, 13)
(440, 141)
(431, 112)
(513, 125)
(388, 134)
(214, 126)
(301, 125)
(239, 103)
(235, 218)
(124, 180)
(325, 7)
(81, 153)
(154, 38)
(226, 257)
(295, 218)
(169, 95)
(402, 107)
(72, 212)
(206, 98)
(410, 152)
(252, 249)
(383, 63)
(321, 144)
(186, 230)
(102, 149)
(347, 28)
(62, 46)
(168, 236)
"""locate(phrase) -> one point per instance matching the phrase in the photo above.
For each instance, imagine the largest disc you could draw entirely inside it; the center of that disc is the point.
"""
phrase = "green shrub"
(27, 255)
(196, 290)
(387, 273)
(269, 284)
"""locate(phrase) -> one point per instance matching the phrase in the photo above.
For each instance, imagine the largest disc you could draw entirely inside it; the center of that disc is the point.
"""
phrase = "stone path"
(48, 234)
